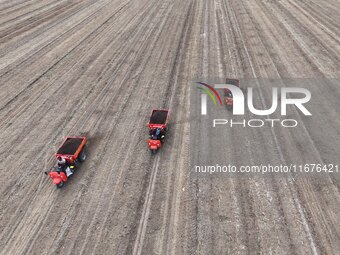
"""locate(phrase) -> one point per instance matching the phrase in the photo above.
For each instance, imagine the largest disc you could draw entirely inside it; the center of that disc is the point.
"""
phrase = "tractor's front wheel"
(60, 184)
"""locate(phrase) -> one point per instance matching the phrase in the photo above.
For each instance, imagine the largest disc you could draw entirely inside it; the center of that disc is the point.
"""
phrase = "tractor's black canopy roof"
(70, 146)
(158, 117)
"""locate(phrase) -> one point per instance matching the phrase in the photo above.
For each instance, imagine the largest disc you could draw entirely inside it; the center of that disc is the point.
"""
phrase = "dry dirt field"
(98, 67)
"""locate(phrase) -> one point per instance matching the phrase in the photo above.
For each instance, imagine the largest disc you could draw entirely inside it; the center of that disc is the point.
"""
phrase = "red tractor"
(157, 129)
(228, 96)
(71, 152)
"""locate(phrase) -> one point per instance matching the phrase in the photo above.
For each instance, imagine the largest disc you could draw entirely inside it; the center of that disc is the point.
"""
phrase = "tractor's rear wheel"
(82, 156)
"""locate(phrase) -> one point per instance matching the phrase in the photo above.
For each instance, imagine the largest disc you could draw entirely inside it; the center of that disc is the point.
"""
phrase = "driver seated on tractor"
(157, 134)
(64, 166)
(61, 161)
(61, 164)
(227, 93)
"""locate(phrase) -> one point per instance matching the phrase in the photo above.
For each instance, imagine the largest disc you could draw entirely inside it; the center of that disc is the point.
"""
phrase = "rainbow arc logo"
(213, 94)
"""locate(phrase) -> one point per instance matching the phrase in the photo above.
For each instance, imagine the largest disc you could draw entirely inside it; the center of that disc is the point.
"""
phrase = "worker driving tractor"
(64, 166)
(157, 134)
